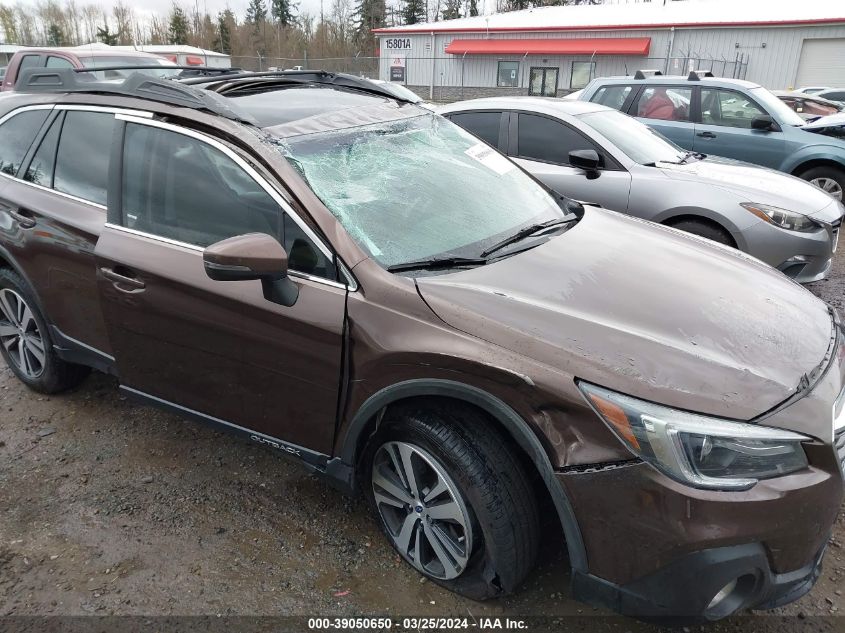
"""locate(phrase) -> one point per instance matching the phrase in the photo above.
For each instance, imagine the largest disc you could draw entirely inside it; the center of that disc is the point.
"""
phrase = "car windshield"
(159, 67)
(639, 142)
(418, 188)
(775, 107)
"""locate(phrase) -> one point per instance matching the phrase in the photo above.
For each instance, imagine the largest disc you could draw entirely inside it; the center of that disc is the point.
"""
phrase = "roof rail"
(137, 85)
(696, 75)
(228, 83)
(642, 74)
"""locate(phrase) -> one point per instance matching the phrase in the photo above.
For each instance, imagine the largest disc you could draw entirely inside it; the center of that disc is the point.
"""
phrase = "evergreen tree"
(473, 8)
(369, 15)
(452, 10)
(55, 37)
(178, 31)
(223, 39)
(284, 12)
(414, 11)
(256, 12)
(106, 36)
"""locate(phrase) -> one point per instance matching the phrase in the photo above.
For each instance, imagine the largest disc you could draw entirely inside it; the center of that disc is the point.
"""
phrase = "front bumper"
(805, 257)
(684, 589)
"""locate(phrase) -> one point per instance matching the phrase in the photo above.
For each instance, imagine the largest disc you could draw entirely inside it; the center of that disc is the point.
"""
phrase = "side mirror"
(252, 256)
(586, 159)
(763, 122)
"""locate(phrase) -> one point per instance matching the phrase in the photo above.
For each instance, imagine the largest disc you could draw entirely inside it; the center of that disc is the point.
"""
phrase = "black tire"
(828, 178)
(705, 229)
(492, 483)
(53, 374)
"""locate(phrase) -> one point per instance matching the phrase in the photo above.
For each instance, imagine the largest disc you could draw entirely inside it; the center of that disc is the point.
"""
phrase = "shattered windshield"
(418, 188)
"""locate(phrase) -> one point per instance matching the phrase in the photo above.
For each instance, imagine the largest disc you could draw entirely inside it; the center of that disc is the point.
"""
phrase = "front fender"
(813, 153)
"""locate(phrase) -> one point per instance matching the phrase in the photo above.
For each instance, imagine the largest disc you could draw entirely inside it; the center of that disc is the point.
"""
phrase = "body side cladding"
(315, 462)
(516, 427)
(73, 351)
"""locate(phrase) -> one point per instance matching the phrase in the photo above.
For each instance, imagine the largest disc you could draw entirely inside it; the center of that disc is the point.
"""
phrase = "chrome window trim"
(200, 249)
(261, 181)
(56, 192)
(38, 106)
(118, 112)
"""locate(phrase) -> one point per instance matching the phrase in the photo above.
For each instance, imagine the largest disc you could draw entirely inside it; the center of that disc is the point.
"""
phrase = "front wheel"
(452, 498)
(831, 180)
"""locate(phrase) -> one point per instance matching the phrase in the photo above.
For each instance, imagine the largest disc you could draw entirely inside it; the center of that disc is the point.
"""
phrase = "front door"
(216, 348)
(543, 82)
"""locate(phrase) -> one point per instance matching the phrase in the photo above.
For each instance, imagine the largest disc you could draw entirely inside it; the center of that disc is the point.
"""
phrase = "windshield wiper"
(438, 262)
(688, 155)
(526, 232)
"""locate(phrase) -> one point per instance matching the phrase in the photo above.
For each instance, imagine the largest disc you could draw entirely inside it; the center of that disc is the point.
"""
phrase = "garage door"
(822, 63)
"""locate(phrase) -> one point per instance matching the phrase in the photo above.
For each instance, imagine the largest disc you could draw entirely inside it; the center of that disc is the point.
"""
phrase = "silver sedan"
(596, 154)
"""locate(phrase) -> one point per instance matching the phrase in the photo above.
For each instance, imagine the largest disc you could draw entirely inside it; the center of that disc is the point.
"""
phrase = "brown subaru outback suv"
(354, 281)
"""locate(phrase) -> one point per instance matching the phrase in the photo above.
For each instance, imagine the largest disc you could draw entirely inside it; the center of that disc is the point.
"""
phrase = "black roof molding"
(137, 85)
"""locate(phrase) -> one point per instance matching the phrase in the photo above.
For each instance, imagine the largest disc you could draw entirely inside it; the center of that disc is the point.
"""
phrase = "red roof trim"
(553, 46)
(606, 27)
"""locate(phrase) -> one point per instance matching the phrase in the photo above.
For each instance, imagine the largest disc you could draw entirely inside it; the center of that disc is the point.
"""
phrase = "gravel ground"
(112, 508)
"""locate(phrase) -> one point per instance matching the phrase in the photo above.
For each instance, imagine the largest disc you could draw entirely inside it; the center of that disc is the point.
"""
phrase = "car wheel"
(452, 498)
(25, 340)
(705, 229)
(829, 179)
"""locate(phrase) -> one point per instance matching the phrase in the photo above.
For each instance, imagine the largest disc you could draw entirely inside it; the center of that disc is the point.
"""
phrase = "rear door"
(218, 349)
(725, 129)
(668, 110)
(541, 145)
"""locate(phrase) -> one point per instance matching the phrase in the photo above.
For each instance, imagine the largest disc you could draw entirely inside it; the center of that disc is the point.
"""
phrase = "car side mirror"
(586, 159)
(763, 122)
(249, 257)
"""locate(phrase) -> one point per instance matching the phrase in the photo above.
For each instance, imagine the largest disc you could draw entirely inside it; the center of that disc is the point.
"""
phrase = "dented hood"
(648, 311)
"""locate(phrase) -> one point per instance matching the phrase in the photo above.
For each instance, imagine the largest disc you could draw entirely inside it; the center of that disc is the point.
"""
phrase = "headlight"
(789, 220)
(698, 450)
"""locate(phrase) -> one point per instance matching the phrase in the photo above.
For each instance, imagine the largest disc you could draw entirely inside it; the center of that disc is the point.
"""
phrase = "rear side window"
(58, 62)
(839, 95)
(611, 96)
(16, 135)
(82, 161)
(664, 103)
(548, 140)
(29, 61)
(484, 125)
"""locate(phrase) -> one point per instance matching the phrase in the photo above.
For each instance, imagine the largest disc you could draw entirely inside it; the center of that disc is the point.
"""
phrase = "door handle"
(22, 217)
(117, 278)
(706, 135)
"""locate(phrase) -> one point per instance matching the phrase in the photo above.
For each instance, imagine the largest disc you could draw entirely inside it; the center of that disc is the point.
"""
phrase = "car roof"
(82, 51)
(674, 80)
(549, 105)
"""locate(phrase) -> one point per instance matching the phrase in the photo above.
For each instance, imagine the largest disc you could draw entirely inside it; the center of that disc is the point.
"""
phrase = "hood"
(832, 125)
(648, 311)
(752, 183)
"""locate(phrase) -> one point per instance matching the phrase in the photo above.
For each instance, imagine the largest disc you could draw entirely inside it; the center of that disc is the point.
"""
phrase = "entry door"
(543, 82)
(217, 348)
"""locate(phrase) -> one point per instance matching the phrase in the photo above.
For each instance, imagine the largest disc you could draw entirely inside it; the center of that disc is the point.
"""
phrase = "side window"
(40, 169)
(58, 62)
(727, 108)
(666, 103)
(507, 75)
(547, 140)
(839, 95)
(182, 188)
(82, 160)
(611, 96)
(484, 125)
(16, 135)
(29, 61)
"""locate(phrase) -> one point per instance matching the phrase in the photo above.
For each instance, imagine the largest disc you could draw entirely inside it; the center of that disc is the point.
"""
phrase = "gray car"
(596, 154)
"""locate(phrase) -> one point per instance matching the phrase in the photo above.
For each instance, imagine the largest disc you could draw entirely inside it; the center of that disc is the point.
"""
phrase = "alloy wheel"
(422, 509)
(19, 334)
(829, 185)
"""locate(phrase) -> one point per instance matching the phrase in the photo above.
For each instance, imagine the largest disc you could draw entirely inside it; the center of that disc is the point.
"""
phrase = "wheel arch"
(366, 420)
(705, 218)
(816, 162)
(8, 261)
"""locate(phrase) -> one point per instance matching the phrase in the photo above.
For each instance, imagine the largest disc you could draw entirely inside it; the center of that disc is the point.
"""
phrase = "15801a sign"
(398, 44)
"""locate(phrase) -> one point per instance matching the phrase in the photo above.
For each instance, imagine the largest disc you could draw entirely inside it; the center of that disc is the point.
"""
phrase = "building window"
(508, 75)
(582, 74)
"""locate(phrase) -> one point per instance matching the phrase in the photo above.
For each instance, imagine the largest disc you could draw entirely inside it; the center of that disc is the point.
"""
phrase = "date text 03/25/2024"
(416, 624)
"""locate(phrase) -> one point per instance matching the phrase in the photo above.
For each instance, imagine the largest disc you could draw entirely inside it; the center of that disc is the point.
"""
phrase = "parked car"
(811, 90)
(368, 288)
(731, 118)
(809, 107)
(84, 57)
(833, 94)
(592, 152)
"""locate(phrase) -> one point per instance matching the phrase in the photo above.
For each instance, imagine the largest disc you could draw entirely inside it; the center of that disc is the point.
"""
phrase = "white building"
(185, 55)
(553, 50)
